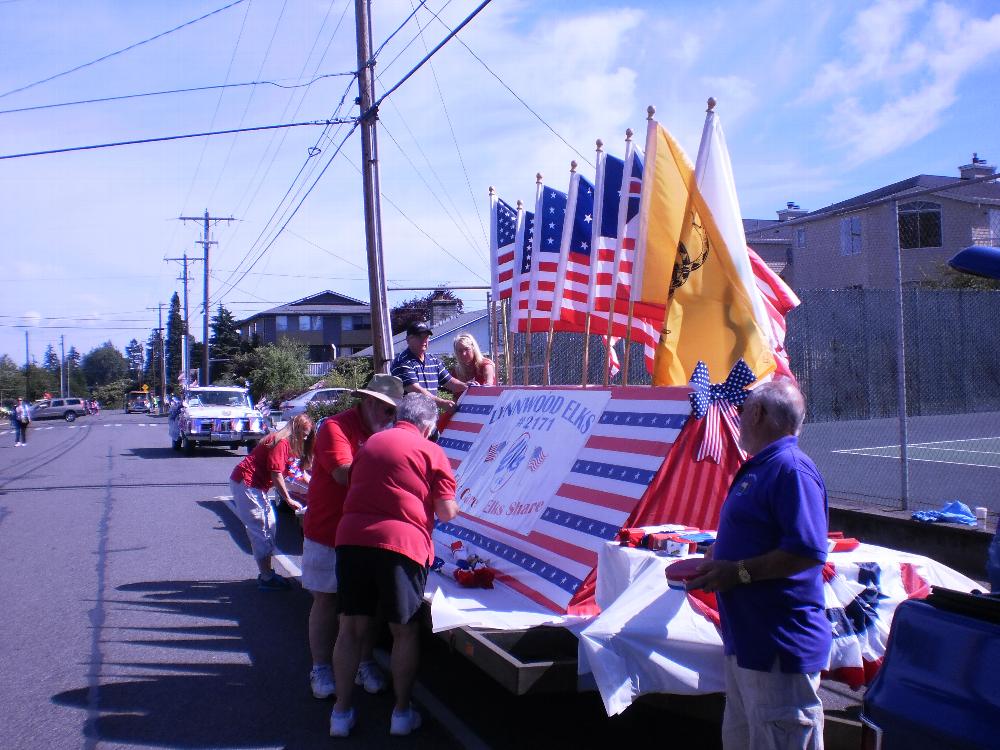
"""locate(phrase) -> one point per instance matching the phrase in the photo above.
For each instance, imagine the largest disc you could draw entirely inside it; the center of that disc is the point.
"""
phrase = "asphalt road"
(131, 618)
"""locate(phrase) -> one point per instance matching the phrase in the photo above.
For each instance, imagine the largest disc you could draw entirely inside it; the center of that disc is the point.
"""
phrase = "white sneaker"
(342, 724)
(370, 677)
(321, 681)
(405, 723)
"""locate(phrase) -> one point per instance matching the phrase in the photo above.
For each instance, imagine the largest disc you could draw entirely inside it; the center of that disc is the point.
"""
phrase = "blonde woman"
(254, 476)
(470, 364)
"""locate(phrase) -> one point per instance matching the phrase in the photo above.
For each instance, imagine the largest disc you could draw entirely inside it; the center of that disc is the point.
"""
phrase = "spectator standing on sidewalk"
(250, 482)
(767, 567)
(22, 418)
(421, 371)
(339, 439)
(399, 482)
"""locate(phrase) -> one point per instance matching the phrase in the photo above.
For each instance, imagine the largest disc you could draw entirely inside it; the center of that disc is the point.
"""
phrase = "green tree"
(948, 278)
(175, 339)
(151, 376)
(112, 395)
(276, 369)
(76, 382)
(50, 361)
(224, 344)
(11, 380)
(136, 356)
(419, 308)
(104, 364)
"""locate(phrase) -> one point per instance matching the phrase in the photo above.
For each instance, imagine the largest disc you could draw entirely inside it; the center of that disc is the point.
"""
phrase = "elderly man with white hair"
(399, 482)
(767, 567)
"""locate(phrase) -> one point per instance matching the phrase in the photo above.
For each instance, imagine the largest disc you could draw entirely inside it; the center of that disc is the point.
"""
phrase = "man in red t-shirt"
(339, 438)
(399, 482)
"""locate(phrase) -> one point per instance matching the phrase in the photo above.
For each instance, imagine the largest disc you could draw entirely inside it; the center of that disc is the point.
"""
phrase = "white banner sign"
(524, 452)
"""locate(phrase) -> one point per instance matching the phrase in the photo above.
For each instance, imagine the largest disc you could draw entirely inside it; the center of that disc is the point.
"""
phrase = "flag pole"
(527, 337)
(640, 242)
(594, 233)
(560, 277)
(506, 341)
(619, 248)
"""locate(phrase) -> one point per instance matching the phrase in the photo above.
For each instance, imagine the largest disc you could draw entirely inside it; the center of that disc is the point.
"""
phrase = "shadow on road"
(289, 537)
(164, 452)
(238, 681)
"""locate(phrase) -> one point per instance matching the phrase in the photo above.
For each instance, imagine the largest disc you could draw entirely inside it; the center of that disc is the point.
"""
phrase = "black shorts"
(370, 579)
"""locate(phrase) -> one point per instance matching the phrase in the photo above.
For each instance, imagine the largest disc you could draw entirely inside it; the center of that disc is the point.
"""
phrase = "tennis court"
(979, 451)
(951, 457)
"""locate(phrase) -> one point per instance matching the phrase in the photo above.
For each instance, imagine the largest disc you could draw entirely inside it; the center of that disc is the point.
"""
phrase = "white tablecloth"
(650, 639)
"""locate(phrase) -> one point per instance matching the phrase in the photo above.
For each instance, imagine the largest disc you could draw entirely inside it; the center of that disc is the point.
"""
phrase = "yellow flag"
(682, 262)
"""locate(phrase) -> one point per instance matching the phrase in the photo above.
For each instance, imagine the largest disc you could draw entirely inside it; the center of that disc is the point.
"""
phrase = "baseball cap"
(384, 387)
(418, 329)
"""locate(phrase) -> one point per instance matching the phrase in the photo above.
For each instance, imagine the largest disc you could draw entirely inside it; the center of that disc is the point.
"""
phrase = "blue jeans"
(20, 432)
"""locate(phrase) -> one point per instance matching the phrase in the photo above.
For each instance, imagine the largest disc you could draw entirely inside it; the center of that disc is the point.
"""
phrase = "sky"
(820, 102)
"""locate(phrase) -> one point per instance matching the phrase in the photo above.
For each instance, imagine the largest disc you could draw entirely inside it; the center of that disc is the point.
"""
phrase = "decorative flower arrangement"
(472, 571)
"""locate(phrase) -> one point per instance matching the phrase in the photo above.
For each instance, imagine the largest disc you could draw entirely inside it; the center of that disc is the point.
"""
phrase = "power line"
(175, 138)
(428, 56)
(193, 89)
(514, 94)
(121, 51)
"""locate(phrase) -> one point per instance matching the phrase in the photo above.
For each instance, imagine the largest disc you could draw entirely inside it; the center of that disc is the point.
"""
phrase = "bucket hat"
(387, 388)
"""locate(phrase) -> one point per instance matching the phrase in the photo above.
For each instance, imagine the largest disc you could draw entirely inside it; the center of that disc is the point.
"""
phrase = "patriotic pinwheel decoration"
(716, 403)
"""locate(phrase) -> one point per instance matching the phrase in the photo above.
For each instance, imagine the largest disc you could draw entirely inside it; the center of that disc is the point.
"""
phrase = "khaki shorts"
(319, 567)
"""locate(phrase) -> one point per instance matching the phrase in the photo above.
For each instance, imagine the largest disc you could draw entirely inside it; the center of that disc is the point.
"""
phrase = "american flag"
(779, 299)
(491, 453)
(524, 280)
(504, 226)
(573, 280)
(610, 475)
(550, 212)
(621, 184)
(538, 457)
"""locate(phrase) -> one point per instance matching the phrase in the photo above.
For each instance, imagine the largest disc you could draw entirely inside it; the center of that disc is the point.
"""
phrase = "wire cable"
(194, 89)
(420, 229)
(399, 28)
(175, 138)
(514, 94)
(454, 139)
(121, 51)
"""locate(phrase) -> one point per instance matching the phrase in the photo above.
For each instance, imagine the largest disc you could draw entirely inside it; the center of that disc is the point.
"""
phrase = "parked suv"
(58, 408)
(298, 405)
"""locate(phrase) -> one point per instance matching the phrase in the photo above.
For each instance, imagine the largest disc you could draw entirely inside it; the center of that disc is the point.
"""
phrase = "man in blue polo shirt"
(767, 567)
(421, 371)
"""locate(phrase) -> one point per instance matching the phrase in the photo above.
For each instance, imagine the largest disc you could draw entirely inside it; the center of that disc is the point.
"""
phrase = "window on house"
(850, 235)
(316, 322)
(347, 323)
(800, 239)
(281, 322)
(919, 224)
(362, 322)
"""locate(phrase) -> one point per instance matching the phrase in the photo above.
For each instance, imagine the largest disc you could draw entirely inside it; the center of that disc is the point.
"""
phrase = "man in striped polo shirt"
(421, 371)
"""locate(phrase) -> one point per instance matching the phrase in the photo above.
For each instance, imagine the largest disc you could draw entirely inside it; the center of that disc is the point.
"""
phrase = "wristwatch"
(742, 572)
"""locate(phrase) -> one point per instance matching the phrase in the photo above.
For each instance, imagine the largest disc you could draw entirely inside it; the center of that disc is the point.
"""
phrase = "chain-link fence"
(844, 348)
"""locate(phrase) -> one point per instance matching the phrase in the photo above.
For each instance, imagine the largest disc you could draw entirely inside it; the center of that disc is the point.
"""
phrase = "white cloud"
(903, 73)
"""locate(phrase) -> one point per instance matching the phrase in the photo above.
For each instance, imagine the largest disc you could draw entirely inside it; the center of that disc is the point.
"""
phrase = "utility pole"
(185, 342)
(161, 345)
(63, 384)
(27, 370)
(205, 242)
(381, 340)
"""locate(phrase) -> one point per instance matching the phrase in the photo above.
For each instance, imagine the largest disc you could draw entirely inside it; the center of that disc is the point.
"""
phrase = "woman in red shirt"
(470, 364)
(253, 478)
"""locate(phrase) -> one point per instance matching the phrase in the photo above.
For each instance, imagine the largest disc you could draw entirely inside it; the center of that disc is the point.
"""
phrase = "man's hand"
(716, 575)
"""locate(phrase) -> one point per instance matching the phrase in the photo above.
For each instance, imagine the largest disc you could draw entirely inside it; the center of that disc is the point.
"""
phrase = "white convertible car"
(215, 415)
